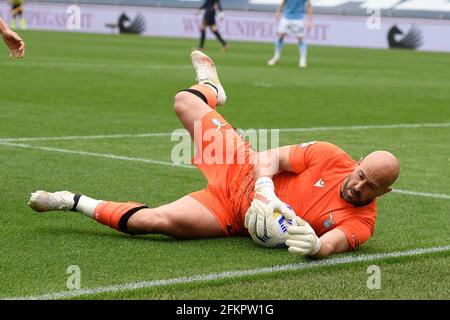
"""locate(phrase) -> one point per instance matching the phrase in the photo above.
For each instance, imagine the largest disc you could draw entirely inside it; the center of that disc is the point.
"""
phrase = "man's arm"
(271, 162)
(302, 239)
(219, 5)
(333, 241)
(268, 164)
(309, 10)
(3, 26)
(259, 217)
(13, 41)
(220, 10)
(279, 10)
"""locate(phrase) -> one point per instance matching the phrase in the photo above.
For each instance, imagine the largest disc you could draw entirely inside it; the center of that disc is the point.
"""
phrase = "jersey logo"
(319, 184)
(330, 221)
(217, 123)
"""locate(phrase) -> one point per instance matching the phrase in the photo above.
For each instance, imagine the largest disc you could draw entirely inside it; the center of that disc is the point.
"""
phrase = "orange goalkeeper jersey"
(313, 191)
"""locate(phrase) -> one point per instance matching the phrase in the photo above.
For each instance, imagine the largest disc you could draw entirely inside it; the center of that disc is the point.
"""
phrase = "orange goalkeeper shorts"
(225, 159)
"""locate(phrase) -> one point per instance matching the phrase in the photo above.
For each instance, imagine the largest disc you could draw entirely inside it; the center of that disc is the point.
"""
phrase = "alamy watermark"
(74, 280)
(222, 144)
(374, 280)
(373, 22)
(73, 21)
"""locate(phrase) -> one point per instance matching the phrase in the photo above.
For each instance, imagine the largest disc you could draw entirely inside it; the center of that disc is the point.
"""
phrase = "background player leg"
(219, 37)
(201, 44)
(303, 51)
(278, 48)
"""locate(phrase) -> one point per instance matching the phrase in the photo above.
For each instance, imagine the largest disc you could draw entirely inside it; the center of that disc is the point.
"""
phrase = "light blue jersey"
(294, 9)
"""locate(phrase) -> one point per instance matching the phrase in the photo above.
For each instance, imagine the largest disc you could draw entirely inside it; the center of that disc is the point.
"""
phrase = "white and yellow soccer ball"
(280, 232)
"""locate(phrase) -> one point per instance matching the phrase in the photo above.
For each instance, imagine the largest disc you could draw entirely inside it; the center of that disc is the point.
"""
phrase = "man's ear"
(388, 189)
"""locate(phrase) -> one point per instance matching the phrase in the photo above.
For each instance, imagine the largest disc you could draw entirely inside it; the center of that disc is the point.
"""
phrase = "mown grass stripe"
(231, 274)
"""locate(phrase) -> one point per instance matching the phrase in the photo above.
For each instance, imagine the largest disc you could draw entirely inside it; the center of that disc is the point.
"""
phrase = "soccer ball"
(280, 232)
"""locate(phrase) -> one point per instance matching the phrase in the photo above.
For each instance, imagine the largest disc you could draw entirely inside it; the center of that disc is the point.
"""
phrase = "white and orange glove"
(301, 239)
(259, 218)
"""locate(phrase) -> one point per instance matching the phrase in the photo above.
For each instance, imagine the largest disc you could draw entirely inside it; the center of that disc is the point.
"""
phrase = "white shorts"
(295, 27)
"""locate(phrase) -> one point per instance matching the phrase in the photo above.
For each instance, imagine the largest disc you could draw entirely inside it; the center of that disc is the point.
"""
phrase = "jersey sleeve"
(305, 155)
(357, 231)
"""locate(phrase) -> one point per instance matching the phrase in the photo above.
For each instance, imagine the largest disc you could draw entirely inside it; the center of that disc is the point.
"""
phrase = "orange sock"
(209, 93)
(116, 214)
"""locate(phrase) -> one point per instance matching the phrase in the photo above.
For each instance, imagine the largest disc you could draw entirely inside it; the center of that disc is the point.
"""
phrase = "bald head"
(371, 178)
(383, 166)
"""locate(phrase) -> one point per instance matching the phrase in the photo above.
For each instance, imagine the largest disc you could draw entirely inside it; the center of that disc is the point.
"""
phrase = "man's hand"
(277, 15)
(260, 214)
(221, 15)
(308, 25)
(301, 239)
(15, 44)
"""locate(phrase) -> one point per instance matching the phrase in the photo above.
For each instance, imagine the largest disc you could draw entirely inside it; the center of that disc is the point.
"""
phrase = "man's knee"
(181, 102)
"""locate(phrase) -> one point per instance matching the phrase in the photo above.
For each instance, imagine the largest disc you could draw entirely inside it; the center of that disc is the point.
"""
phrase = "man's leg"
(193, 104)
(278, 47)
(185, 218)
(172, 219)
(303, 51)
(215, 30)
(201, 44)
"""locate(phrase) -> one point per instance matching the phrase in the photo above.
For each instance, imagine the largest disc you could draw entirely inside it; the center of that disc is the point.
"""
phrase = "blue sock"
(303, 49)
(278, 46)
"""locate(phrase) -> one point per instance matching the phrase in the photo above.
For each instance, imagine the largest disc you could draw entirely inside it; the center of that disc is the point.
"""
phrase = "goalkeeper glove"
(259, 217)
(302, 239)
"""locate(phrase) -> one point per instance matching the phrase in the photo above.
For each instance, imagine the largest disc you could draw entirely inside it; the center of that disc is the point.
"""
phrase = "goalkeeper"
(13, 41)
(333, 198)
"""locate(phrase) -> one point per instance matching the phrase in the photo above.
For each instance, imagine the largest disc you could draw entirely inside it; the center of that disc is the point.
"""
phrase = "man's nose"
(358, 186)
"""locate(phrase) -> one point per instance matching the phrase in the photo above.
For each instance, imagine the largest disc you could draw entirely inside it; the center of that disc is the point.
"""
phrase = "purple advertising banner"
(346, 31)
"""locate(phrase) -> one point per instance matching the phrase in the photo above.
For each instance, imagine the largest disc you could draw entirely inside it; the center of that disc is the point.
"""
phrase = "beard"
(355, 201)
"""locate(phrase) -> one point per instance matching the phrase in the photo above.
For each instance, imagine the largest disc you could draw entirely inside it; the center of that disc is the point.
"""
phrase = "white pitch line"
(423, 194)
(93, 137)
(231, 274)
(165, 134)
(95, 154)
(171, 164)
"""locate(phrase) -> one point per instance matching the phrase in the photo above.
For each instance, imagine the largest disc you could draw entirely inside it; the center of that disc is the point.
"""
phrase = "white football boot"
(273, 61)
(302, 63)
(206, 72)
(42, 201)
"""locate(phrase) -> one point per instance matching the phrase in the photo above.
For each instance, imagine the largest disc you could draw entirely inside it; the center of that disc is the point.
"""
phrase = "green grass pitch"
(80, 85)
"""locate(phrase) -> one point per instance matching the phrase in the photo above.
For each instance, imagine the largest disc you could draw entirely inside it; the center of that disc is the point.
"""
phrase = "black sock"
(217, 34)
(202, 38)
